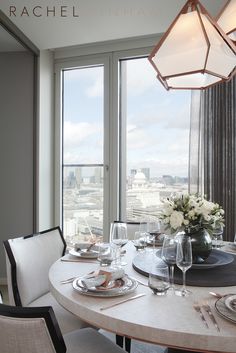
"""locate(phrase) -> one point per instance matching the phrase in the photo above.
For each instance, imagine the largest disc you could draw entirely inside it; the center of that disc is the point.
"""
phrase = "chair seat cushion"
(67, 321)
(89, 340)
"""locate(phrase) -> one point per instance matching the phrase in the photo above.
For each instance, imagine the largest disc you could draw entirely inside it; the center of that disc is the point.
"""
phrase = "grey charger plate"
(224, 311)
(216, 258)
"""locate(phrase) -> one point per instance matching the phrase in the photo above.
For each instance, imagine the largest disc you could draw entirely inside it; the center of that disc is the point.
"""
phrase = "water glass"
(140, 241)
(106, 254)
(158, 280)
(217, 238)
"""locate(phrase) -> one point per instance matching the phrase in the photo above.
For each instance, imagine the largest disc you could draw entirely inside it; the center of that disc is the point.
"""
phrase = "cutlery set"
(205, 308)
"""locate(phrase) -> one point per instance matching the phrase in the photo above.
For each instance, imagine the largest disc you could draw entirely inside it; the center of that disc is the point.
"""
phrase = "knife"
(212, 317)
(122, 301)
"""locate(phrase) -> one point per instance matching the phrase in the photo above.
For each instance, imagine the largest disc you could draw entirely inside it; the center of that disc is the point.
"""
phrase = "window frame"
(114, 130)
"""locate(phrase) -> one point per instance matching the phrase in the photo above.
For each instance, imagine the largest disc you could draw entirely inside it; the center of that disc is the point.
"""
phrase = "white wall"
(45, 187)
(16, 147)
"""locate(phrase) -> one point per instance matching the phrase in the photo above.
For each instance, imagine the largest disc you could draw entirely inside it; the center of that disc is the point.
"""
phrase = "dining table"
(167, 320)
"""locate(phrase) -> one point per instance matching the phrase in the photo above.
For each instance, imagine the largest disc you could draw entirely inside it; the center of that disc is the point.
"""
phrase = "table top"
(165, 320)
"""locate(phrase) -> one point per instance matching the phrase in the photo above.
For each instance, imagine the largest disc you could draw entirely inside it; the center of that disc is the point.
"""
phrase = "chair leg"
(127, 344)
(119, 340)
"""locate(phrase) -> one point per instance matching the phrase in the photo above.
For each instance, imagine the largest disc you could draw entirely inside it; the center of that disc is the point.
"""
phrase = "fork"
(199, 310)
(207, 308)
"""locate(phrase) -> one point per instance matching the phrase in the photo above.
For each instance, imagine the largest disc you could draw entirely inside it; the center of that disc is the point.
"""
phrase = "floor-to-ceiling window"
(124, 141)
(156, 127)
(83, 131)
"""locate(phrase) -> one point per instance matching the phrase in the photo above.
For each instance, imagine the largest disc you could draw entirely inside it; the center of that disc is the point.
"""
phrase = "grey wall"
(16, 147)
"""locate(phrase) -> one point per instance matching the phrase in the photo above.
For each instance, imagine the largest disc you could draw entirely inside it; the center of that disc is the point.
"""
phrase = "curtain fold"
(213, 149)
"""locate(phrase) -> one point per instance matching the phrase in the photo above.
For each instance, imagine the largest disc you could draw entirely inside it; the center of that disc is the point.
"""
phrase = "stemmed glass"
(153, 231)
(118, 236)
(168, 255)
(184, 260)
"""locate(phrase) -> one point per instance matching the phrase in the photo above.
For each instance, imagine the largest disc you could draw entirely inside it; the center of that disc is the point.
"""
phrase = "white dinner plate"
(228, 302)
(116, 288)
(92, 254)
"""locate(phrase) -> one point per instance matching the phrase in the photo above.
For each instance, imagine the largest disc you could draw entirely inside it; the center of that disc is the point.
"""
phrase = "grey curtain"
(214, 149)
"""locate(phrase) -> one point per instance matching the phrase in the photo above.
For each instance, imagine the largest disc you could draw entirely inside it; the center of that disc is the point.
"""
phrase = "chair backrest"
(31, 330)
(28, 261)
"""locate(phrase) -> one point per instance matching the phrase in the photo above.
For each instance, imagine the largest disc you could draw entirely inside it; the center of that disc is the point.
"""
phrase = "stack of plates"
(225, 307)
(115, 288)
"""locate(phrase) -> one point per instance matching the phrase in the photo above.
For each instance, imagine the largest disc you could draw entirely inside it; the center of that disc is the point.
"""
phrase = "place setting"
(226, 307)
(111, 282)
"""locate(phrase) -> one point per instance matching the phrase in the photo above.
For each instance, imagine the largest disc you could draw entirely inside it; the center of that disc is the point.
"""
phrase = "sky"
(157, 120)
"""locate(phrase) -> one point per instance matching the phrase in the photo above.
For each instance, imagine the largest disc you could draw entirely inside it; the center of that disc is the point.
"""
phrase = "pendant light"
(227, 19)
(194, 53)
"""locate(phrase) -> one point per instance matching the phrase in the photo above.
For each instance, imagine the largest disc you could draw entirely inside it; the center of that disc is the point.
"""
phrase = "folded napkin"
(102, 278)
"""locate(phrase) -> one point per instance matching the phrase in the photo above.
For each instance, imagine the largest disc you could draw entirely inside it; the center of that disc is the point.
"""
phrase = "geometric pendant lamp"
(227, 19)
(194, 53)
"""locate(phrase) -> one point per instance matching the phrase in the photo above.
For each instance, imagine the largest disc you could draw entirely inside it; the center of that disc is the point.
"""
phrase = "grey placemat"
(220, 276)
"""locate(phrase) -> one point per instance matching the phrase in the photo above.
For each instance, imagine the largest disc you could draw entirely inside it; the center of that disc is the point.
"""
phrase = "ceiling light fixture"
(227, 19)
(194, 53)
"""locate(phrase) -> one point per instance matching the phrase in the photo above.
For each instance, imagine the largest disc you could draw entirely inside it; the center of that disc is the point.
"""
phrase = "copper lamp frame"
(232, 30)
(194, 5)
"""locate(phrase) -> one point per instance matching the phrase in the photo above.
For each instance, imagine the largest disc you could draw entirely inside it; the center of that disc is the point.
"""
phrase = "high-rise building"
(146, 172)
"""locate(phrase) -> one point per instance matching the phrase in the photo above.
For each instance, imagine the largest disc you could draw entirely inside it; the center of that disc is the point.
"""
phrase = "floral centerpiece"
(194, 215)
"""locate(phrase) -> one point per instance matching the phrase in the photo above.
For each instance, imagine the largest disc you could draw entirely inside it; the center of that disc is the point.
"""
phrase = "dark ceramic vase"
(201, 245)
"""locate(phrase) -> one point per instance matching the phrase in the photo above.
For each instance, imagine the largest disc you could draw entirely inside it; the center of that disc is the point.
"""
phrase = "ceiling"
(89, 21)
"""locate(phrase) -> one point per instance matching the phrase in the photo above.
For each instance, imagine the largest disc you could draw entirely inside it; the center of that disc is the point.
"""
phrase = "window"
(156, 124)
(124, 143)
(83, 152)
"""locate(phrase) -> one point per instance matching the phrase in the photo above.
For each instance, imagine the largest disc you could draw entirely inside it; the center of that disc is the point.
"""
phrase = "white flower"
(191, 214)
(176, 219)
(190, 211)
(166, 220)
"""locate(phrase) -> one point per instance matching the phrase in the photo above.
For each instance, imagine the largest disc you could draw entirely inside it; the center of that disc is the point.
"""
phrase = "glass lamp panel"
(219, 53)
(184, 49)
(197, 80)
(227, 20)
(232, 36)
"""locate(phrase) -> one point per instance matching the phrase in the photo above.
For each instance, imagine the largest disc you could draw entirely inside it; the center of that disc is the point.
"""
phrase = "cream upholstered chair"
(35, 330)
(28, 261)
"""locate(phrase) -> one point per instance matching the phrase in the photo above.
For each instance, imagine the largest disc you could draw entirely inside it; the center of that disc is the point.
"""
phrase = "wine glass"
(184, 260)
(118, 236)
(153, 230)
(168, 255)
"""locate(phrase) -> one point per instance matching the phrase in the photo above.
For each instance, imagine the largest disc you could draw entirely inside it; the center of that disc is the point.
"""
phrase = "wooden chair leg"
(127, 344)
(119, 340)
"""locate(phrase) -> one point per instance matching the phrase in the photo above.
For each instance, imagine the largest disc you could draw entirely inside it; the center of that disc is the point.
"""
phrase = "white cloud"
(76, 134)
(136, 82)
(95, 89)
(137, 138)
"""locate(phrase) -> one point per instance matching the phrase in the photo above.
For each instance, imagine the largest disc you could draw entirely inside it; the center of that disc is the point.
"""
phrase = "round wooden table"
(165, 320)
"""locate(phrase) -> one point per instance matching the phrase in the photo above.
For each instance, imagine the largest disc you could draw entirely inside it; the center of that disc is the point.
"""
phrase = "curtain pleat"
(218, 114)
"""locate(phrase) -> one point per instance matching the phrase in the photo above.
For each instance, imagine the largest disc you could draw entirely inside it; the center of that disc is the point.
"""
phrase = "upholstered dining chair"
(28, 260)
(36, 330)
